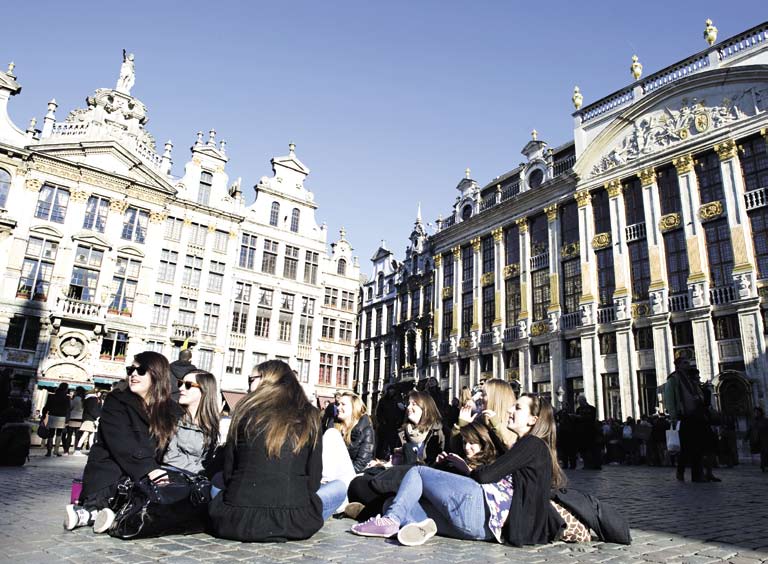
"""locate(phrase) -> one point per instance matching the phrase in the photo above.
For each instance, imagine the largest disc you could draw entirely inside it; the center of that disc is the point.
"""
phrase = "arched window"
(380, 284)
(204, 191)
(295, 220)
(5, 186)
(341, 268)
(370, 293)
(466, 212)
(274, 214)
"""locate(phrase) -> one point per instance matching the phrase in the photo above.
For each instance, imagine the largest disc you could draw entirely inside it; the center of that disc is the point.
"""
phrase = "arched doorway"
(734, 394)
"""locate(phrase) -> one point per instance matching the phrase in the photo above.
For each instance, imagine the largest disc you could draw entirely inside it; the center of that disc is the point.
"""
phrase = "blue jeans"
(456, 503)
(332, 495)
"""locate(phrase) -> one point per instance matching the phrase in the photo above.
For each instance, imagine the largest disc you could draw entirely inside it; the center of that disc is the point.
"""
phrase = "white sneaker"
(416, 534)
(78, 453)
(76, 517)
(103, 521)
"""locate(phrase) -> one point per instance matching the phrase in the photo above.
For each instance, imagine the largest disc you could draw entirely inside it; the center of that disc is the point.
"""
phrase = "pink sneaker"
(377, 527)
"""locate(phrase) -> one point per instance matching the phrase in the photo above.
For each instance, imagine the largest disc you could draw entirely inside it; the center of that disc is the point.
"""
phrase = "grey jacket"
(187, 448)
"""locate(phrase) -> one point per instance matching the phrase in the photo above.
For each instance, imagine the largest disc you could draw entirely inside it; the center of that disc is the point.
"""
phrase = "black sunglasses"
(140, 370)
(188, 385)
(253, 377)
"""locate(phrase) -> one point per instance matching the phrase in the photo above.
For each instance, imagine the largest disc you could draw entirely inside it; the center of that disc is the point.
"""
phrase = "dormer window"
(204, 191)
(341, 267)
(466, 212)
(536, 178)
(295, 220)
(380, 284)
(274, 214)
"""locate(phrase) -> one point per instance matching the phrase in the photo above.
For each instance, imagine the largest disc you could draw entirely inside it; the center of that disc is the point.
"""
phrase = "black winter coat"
(268, 499)
(123, 447)
(57, 405)
(601, 517)
(91, 408)
(532, 518)
(361, 444)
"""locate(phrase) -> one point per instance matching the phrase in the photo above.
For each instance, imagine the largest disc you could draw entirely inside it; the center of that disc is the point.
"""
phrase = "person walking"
(91, 413)
(588, 434)
(684, 401)
(55, 417)
(74, 420)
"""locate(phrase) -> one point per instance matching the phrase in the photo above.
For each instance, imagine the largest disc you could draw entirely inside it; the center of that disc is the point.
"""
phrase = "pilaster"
(500, 297)
(476, 283)
(658, 288)
(587, 301)
(621, 296)
(553, 310)
(457, 282)
(525, 280)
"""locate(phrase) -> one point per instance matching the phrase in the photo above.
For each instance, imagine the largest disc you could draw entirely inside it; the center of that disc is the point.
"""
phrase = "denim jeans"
(332, 494)
(456, 503)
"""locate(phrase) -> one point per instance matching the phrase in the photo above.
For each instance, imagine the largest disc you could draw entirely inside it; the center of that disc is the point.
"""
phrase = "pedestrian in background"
(55, 415)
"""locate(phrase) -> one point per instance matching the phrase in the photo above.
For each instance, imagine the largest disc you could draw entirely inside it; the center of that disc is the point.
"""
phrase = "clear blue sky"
(388, 102)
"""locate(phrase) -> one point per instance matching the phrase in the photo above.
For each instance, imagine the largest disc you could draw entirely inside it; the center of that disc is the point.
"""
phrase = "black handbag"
(147, 509)
(42, 430)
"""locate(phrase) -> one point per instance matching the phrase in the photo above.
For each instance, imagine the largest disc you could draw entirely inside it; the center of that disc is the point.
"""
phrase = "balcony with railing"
(486, 339)
(679, 301)
(80, 309)
(510, 190)
(719, 295)
(756, 198)
(570, 320)
(540, 261)
(635, 232)
(183, 332)
(606, 314)
(563, 165)
(445, 347)
(511, 334)
(488, 202)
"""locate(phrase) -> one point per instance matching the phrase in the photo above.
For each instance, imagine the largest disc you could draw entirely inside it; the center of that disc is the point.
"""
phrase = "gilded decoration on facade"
(511, 270)
(33, 184)
(662, 129)
(669, 222)
(465, 343)
(79, 195)
(551, 212)
(641, 309)
(614, 188)
(583, 198)
(456, 252)
(601, 241)
(159, 217)
(498, 234)
(577, 98)
(539, 328)
(726, 150)
(570, 250)
(522, 224)
(486, 279)
(647, 176)
(683, 163)
(476, 243)
(712, 210)
(438, 260)
(447, 292)
(118, 206)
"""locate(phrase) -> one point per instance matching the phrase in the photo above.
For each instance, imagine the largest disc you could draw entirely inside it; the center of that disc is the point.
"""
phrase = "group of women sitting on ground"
(278, 476)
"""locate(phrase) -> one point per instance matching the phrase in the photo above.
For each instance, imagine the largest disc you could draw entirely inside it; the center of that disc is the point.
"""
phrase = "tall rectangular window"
(368, 323)
(342, 371)
(284, 328)
(193, 269)
(96, 211)
(569, 223)
(135, 222)
(513, 300)
(220, 241)
(467, 264)
(541, 294)
(709, 176)
(248, 251)
(331, 297)
(754, 162)
(606, 277)
(489, 307)
(571, 285)
(242, 303)
(205, 359)
(161, 309)
(187, 310)
(113, 346)
(310, 267)
(512, 245)
(403, 307)
(210, 318)
(274, 214)
(639, 269)
(489, 254)
(379, 320)
(447, 318)
(173, 227)
(287, 301)
(295, 220)
(204, 188)
(305, 331)
(633, 201)
(23, 333)
(37, 268)
(719, 252)
(467, 313)
(234, 361)
(448, 270)
(216, 276)
(5, 187)
(539, 229)
(198, 234)
(263, 316)
(601, 211)
(326, 369)
(52, 203)
(759, 219)
(345, 331)
(669, 189)
(265, 297)
(125, 280)
(291, 264)
(269, 258)
(347, 300)
(167, 270)
(677, 261)
(329, 328)
(85, 273)
(416, 303)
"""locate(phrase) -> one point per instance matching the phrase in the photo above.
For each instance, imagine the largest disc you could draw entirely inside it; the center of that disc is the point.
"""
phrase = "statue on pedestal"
(127, 74)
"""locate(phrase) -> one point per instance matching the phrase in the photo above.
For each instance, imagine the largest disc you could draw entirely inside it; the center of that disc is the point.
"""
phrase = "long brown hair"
(278, 409)
(430, 415)
(546, 429)
(358, 410)
(500, 399)
(158, 403)
(208, 412)
(477, 433)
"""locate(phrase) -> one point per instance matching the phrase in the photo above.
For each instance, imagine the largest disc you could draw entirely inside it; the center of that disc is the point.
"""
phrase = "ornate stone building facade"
(593, 265)
(104, 253)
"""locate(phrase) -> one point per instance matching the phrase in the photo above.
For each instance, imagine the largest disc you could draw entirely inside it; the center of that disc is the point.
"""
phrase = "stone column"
(523, 320)
(556, 356)
(499, 301)
(456, 289)
(437, 318)
(476, 285)
(625, 353)
(744, 272)
(657, 290)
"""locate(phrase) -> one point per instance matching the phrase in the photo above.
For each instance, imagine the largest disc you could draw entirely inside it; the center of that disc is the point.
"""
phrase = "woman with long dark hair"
(137, 423)
(55, 414)
(508, 495)
(197, 433)
(273, 464)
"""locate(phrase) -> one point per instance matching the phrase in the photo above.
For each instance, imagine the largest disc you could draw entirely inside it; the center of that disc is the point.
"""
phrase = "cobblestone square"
(671, 523)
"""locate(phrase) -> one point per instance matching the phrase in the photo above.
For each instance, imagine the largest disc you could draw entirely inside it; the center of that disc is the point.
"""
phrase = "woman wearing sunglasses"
(197, 434)
(137, 423)
(273, 464)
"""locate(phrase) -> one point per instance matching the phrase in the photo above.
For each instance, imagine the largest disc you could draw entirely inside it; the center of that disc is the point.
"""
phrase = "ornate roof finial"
(32, 125)
(127, 76)
(710, 32)
(577, 98)
(535, 135)
(342, 234)
(636, 68)
(467, 173)
(199, 140)
(418, 213)
(168, 149)
(223, 146)
(292, 149)
(212, 137)
(11, 66)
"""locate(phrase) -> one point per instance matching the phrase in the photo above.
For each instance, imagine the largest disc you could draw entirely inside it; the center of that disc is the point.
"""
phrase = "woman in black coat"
(355, 427)
(137, 422)
(273, 464)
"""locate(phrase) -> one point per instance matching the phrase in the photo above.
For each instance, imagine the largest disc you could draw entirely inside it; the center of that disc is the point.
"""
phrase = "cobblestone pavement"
(671, 523)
